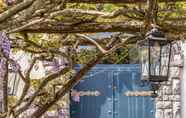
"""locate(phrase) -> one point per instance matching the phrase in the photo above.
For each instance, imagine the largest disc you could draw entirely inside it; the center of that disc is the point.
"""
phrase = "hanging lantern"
(155, 53)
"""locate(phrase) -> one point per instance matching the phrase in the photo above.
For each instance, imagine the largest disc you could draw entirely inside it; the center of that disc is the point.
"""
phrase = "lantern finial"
(155, 32)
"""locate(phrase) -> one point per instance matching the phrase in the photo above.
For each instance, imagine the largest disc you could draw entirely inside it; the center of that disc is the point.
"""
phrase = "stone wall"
(168, 102)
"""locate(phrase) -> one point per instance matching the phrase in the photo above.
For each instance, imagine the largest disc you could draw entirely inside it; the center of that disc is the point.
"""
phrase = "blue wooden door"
(102, 94)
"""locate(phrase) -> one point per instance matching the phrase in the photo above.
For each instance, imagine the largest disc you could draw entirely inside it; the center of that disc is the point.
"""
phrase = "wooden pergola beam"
(95, 27)
(84, 28)
(117, 1)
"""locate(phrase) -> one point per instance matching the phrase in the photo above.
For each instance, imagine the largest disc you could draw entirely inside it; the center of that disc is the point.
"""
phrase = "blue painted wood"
(112, 81)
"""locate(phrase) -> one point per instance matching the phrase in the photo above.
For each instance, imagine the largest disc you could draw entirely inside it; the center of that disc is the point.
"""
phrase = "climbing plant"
(51, 32)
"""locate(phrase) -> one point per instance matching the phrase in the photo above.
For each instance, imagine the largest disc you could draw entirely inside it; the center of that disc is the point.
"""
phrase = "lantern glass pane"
(144, 59)
(155, 58)
(165, 52)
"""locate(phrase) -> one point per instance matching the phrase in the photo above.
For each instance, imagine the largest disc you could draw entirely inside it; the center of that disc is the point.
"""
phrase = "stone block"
(163, 105)
(169, 82)
(176, 86)
(168, 113)
(167, 90)
(176, 105)
(174, 97)
(160, 95)
(174, 72)
(158, 99)
(177, 63)
(159, 114)
(176, 110)
(165, 97)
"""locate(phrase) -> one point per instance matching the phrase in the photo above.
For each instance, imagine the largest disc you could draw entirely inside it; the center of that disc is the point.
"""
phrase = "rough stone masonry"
(168, 102)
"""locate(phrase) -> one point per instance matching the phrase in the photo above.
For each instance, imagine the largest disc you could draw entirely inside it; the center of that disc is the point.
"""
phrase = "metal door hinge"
(139, 93)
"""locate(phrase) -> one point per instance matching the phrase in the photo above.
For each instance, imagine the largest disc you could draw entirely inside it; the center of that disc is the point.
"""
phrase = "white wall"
(24, 61)
(183, 84)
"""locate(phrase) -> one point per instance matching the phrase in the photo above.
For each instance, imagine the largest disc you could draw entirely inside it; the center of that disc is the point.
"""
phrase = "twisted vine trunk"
(77, 77)
(67, 87)
(5, 88)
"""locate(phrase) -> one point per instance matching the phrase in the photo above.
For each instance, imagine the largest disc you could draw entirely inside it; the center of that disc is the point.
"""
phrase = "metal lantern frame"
(153, 37)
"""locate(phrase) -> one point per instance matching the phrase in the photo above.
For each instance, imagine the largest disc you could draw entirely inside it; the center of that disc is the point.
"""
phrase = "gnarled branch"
(14, 10)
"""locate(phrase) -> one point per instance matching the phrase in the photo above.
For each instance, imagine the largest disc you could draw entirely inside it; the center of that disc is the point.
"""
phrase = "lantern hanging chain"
(151, 14)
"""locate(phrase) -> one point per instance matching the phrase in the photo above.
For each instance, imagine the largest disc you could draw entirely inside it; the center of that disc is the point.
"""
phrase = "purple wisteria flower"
(62, 113)
(55, 65)
(14, 66)
(5, 50)
(9, 2)
(75, 96)
(4, 44)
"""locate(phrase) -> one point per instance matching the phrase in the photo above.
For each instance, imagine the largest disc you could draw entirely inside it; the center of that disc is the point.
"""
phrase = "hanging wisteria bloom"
(9, 2)
(4, 50)
(55, 65)
(2, 68)
(14, 66)
(4, 44)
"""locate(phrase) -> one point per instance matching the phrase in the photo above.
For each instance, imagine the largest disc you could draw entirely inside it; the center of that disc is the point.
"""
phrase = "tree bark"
(67, 87)
(5, 88)
(45, 81)
(72, 82)
(14, 10)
